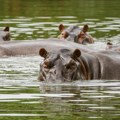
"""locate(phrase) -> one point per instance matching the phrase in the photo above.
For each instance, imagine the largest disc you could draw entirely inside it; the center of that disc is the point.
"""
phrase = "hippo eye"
(82, 34)
(62, 33)
(48, 64)
(70, 66)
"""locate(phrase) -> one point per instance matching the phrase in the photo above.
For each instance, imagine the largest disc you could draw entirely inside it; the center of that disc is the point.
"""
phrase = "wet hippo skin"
(16, 48)
(70, 65)
(75, 34)
(67, 60)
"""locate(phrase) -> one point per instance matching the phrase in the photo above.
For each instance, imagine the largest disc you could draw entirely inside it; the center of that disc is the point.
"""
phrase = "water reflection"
(81, 98)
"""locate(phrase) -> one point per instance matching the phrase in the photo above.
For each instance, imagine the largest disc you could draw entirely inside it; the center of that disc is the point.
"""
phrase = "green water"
(22, 97)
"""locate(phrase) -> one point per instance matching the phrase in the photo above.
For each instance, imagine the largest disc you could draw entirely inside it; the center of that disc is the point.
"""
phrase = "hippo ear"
(85, 28)
(6, 28)
(76, 53)
(61, 27)
(43, 52)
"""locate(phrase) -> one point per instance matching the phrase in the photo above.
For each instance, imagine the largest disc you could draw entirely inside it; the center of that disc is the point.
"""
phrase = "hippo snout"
(47, 74)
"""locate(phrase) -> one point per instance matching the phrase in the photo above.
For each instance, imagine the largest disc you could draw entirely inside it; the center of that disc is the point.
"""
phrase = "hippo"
(109, 45)
(69, 65)
(75, 34)
(112, 47)
(5, 34)
(31, 47)
(62, 56)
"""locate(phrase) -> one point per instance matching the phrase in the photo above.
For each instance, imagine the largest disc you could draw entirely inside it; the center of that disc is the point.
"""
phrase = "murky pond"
(22, 96)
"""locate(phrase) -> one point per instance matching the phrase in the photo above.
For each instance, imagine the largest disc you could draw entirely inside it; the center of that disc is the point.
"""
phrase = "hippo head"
(68, 33)
(63, 33)
(109, 45)
(83, 37)
(75, 34)
(5, 34)
(63, 65)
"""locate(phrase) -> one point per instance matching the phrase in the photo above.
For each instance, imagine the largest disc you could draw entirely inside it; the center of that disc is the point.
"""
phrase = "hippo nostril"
(55, 71)
(46, 62)
(67, 66)
(43, 74)
(42, 77)
(86, 39)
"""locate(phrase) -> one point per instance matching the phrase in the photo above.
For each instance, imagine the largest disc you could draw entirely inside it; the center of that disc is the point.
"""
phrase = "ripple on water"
(19, 96)
(20, 114)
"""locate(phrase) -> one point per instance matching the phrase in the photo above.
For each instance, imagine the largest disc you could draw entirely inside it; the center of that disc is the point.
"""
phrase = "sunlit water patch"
(14, 69)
